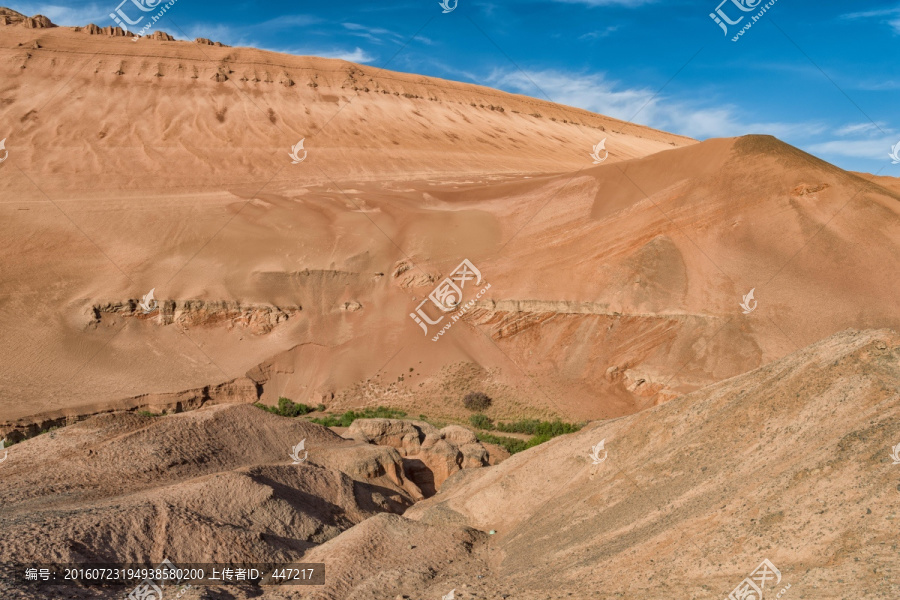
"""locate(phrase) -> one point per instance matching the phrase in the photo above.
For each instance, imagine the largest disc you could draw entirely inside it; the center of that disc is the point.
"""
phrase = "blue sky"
(823, 78)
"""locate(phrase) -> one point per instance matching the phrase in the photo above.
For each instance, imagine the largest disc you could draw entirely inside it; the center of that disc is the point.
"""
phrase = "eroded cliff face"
(258, 319)
(429, 455)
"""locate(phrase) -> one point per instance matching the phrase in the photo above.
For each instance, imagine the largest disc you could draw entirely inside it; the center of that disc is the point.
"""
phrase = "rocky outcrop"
(418, 278)
(209, 42)
(405, 436)
(92, 29)
(365, 462)
(11, 17)
(257, 318)
(159, 35)
(430, 455)
(38, 22)
(237, 391)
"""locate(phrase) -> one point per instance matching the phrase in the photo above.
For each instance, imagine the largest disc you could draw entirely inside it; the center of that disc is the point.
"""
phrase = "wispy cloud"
(877, 149)
(379, 35)
(595, 93)
(858, 140)
(855, 129)
(589, 91)
(68, 15)
(869, 14)
(357, 55)
(218, 33)
(889, 16)
(600, 33)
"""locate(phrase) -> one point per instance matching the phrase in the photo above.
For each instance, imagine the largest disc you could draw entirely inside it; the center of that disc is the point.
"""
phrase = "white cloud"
(878, 149)
(595, 93)
(358, 55)
(600, 33)
(591, 92)
(69, 15)
(218, 33)
(869, 14)
(853, 129)
(879, 15)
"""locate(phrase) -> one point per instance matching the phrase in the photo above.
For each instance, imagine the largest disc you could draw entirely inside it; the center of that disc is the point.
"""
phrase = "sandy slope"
(613, 287)
(789, 462)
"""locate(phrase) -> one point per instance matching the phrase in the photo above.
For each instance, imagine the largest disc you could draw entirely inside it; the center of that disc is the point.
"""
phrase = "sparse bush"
(286, 408)
(477, 401)
(540, 428)
(320, 407)
(481, 422)
(511, 445)
(348, 417)
(541, 431)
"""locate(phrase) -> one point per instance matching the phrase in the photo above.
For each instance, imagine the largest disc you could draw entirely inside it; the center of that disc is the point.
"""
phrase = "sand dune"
(613, 287)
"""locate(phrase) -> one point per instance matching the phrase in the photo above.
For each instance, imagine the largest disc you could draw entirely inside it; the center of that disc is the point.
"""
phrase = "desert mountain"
(164, 165)
(788, 463)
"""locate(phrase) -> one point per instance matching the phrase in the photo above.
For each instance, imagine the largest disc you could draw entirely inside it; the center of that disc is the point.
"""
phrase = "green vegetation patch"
(285, 408)
(348, 417)
(541, 431)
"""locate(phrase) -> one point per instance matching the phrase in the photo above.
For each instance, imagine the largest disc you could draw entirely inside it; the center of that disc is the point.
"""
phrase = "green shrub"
(285, 408)
(348, 417)
(482, 422)
(477, 401)
(511, 445)
(541, 431)
(536, 427)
